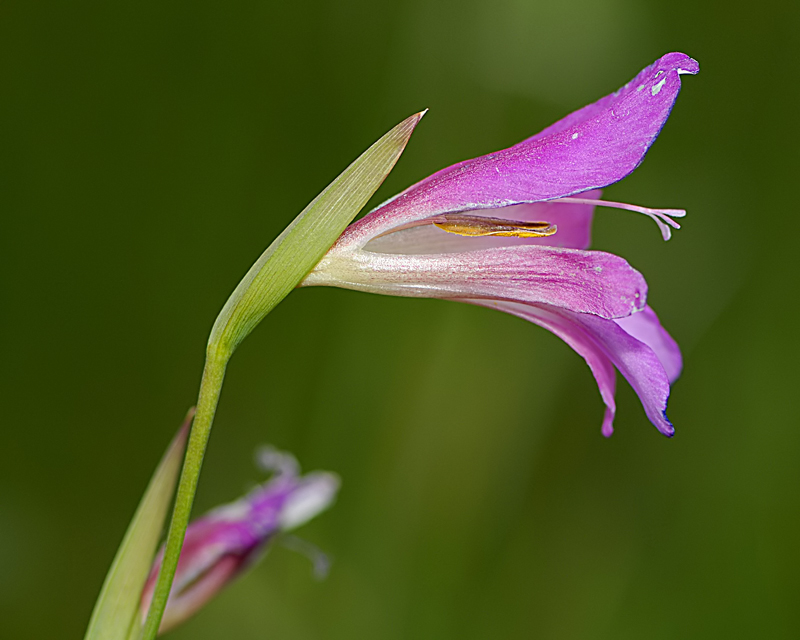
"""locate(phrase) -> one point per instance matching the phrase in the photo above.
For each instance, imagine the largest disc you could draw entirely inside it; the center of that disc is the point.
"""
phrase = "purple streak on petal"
(583, 281)
(645, 327)
(589, 149)
(598, 340)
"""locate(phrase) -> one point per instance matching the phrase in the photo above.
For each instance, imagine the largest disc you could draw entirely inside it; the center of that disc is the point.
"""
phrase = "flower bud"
(223, 543)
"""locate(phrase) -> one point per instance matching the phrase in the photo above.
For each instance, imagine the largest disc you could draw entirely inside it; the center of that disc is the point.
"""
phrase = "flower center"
(466, 225)
(662, 217)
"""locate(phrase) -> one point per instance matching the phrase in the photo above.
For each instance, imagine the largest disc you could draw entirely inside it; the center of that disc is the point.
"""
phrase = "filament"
(662, 217)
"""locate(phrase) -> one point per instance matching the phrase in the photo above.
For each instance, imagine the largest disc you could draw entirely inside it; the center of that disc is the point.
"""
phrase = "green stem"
(210, 387)
(282, 267)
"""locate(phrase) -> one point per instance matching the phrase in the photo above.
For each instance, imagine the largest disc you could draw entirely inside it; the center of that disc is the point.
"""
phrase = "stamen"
(662, 217)
(271, 460)
(319, 559)
(465, 225)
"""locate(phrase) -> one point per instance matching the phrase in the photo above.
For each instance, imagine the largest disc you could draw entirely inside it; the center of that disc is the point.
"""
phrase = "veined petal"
(183, 606)
(603, 343)
(589, 149)
(574, 223)
(589, 282)
(217, 548)
(676, 62)
(645, 327)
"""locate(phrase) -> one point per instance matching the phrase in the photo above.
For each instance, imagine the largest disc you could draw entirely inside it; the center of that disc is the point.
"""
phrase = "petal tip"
(608, 422)
(680, 62)
(666, 428)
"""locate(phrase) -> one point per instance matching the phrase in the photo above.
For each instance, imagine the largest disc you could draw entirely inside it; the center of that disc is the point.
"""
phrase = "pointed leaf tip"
(116, 610)
(305, 241)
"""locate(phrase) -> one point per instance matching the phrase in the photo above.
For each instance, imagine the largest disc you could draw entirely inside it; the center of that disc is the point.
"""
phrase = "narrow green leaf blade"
(118, 604)
(306, 240)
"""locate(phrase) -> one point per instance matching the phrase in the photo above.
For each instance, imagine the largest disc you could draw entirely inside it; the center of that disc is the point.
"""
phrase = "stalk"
(210, 388)
(284, 264)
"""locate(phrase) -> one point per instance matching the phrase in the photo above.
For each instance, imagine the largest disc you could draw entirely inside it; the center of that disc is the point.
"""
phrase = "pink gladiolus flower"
(223, 543)
(509, 230)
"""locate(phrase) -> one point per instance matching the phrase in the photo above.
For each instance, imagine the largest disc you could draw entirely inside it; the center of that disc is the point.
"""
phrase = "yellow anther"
(465, 225)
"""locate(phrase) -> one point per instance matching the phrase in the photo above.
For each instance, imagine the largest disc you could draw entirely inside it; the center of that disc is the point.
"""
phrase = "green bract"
(306, 240)
(116, 612)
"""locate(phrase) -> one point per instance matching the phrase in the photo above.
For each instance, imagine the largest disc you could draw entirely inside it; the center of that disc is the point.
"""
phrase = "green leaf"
(306, 240)
(117, 607)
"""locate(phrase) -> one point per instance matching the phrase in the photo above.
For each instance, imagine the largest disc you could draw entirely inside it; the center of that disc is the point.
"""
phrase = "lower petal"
(604, 345)
(582, 281)
(645, 327)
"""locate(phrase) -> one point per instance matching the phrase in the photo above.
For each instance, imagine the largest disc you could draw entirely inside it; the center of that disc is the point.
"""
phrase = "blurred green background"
(149, 151)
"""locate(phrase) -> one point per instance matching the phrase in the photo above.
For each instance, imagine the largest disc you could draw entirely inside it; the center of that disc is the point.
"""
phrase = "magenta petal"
(589, 149)
(640, 366)
(582, 342)
(582, 281)
(645, 327)
(676, 62)
(603, 343)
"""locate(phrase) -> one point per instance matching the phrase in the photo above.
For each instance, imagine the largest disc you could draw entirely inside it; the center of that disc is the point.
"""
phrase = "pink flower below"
(223, 543)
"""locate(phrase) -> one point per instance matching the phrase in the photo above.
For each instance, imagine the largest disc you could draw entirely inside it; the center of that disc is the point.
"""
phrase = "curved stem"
(283, 265)
(210, 387)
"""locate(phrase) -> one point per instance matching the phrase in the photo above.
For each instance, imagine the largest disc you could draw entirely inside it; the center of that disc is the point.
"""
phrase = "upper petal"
(680, 63)
(589, 149)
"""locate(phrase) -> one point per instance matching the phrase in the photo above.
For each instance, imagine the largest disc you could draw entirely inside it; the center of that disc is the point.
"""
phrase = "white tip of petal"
(314, 494)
